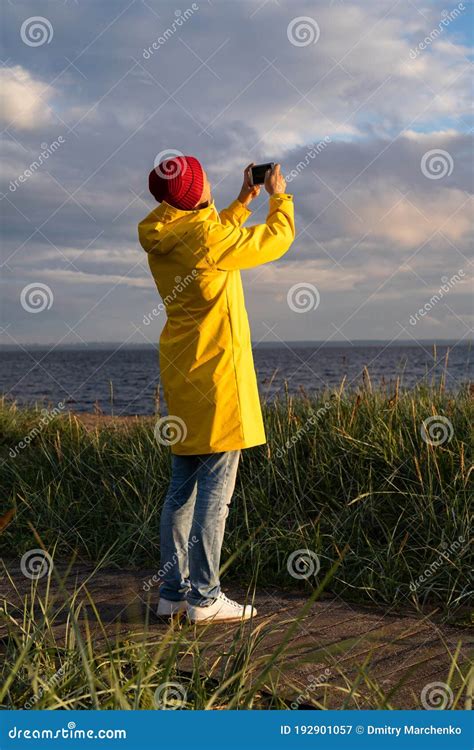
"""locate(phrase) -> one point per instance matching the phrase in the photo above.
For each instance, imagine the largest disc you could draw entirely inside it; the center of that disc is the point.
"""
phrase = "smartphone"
(258, 172)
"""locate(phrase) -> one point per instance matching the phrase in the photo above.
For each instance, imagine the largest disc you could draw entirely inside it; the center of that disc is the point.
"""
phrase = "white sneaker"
(167, 608)
(222, 610)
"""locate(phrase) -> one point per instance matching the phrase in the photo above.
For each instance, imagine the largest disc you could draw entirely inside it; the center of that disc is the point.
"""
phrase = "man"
(195, 255)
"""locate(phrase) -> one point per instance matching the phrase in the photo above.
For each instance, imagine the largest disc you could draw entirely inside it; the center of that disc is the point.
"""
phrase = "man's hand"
(248, 191)
(274, 181)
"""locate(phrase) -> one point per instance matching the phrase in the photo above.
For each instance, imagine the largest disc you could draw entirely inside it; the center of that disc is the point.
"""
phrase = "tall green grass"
(347, 471)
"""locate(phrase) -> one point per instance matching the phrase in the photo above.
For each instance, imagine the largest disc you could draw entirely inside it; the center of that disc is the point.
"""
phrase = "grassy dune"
(352, 477)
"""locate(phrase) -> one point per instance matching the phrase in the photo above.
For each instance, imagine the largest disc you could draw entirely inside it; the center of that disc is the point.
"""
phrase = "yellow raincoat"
(206, 362)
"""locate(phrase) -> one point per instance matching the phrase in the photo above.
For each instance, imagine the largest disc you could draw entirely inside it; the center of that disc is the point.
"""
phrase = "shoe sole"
(217, 620)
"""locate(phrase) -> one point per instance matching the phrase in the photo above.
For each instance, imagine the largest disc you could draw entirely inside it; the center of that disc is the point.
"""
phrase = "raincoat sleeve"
(231, 248)
(235, 214)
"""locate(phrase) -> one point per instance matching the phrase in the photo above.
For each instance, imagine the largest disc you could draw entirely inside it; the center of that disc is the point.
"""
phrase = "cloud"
(24, 100)
(408, 222)
(64, 276)
(374, 234)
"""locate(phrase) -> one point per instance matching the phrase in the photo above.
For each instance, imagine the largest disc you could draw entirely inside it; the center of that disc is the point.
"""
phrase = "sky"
(366, 105)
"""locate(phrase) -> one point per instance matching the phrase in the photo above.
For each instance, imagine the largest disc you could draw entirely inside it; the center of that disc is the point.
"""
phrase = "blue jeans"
(192, 526)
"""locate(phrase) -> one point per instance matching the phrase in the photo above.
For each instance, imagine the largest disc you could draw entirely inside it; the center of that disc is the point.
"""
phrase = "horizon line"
(277, 344)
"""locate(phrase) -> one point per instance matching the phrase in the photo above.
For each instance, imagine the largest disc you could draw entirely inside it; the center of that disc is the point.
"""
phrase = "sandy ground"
(328, 646)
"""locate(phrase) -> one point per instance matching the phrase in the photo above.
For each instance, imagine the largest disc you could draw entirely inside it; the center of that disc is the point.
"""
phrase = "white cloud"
(80, 277)
(409, 221)
(24, 100)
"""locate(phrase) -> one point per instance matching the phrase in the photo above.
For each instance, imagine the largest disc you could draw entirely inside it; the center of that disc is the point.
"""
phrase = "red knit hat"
(179, 181)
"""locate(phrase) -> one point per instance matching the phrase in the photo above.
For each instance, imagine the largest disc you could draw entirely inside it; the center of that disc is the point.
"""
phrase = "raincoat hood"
(166, 226)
